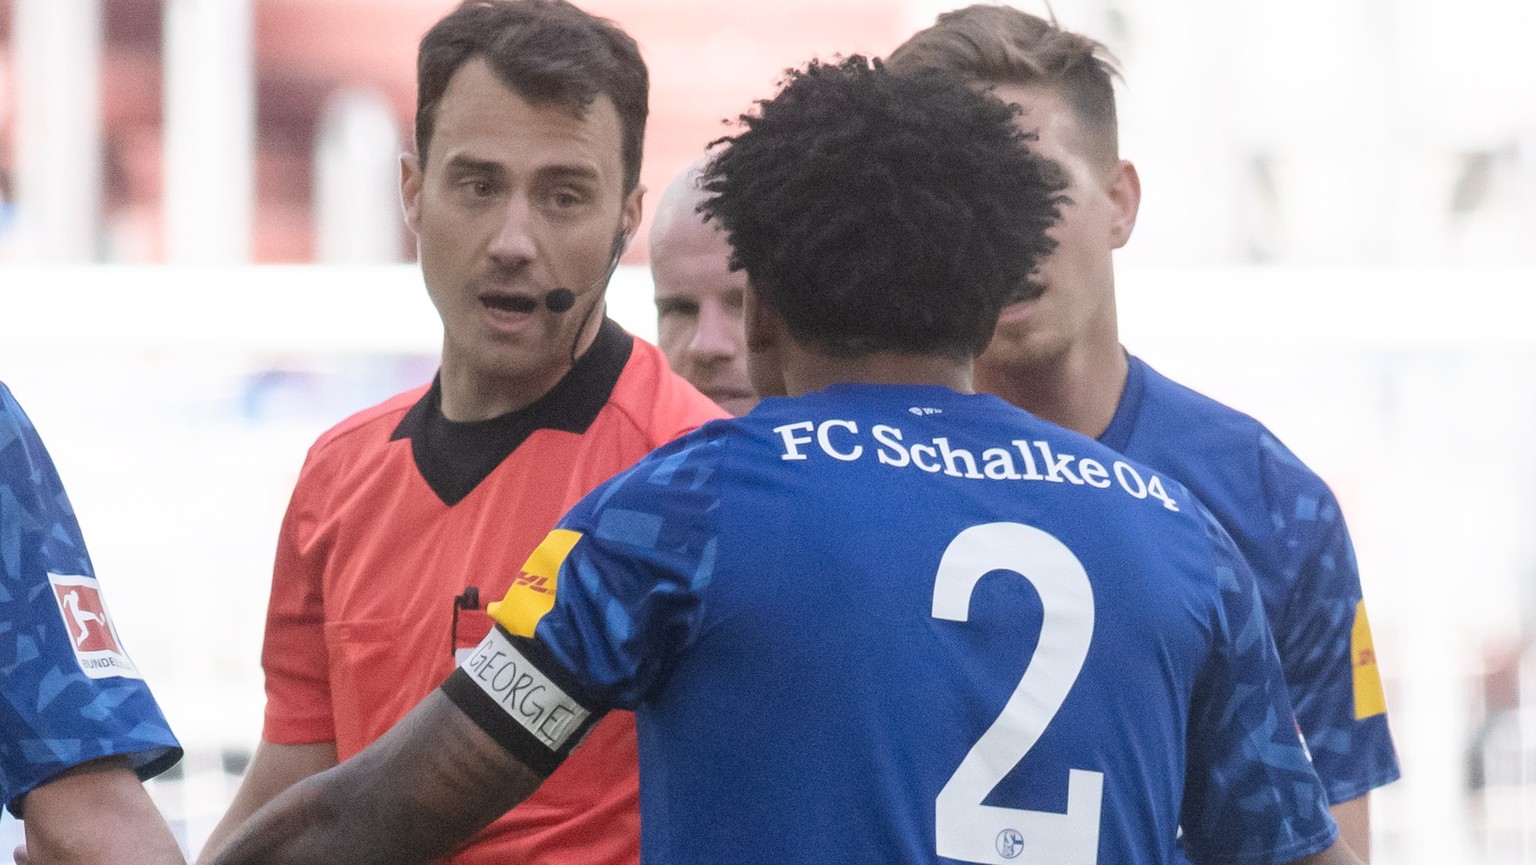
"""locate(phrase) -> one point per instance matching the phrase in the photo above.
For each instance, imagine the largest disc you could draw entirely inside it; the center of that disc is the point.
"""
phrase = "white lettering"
(1156, 491)
(999, 465)
(792, 442)
(890, 437)
(825, 440)
(1030, 472)
(952, 455)
(1126, 473)
(1094, 474)
(842, 440)
(930, 451)
(1057, 468)
(523, 691)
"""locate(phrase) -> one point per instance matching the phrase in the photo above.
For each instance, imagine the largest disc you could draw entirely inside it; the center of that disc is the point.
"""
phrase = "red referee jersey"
(397, 512)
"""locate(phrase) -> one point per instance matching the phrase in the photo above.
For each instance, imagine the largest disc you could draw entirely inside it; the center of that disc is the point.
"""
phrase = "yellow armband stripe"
(532, 594)
(1370, 699)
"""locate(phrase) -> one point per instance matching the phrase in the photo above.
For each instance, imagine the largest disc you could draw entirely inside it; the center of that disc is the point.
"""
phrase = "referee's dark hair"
(884, 213)
(546, 51)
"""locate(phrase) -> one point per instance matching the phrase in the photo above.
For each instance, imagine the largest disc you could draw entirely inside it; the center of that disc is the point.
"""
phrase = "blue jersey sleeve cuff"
(145, 763)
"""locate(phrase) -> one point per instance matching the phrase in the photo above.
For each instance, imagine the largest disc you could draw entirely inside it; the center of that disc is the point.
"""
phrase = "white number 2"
(968, 830)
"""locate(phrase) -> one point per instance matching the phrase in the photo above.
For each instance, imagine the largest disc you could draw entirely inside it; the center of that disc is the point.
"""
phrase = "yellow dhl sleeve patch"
(1370, 699)
(532, 594)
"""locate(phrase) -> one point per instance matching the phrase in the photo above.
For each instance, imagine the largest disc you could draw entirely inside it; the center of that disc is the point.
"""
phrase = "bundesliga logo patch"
(91, 633)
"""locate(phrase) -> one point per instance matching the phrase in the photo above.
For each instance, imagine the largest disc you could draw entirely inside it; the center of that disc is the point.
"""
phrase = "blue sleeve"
(1324, 637)
(1250, 796)
(68, 691)
(630, 592)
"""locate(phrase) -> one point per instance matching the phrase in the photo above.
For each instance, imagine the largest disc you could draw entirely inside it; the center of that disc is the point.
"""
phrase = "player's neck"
(471, 392)
(1079, 390)
(805, 371)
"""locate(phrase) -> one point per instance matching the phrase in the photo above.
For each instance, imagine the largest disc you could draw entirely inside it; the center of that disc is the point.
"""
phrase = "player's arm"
(274, 768)
(1327, 689)
(418, 793)
(95, 814)
(1327, 651)
(1354, 819)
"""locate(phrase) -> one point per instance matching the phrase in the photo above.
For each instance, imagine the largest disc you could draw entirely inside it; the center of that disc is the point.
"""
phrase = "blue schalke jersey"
(1287, 524)
(71, 694)
(902, 624)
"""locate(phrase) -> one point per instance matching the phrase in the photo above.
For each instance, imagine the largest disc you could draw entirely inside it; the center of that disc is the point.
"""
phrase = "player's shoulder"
(1215, 431)
(7, 400)
(13, 421)
(679, 477)
(1165, 395)
(655, 402)
(370, 425)
(22, 456)
(716, 450)
(1128, 504)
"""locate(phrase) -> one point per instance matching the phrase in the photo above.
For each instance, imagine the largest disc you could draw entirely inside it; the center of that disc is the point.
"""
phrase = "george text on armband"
(523, 691)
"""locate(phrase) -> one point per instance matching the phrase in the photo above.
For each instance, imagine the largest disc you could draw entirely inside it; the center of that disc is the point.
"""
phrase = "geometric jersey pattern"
(764, 593)
(52, 715)
(1287, 524)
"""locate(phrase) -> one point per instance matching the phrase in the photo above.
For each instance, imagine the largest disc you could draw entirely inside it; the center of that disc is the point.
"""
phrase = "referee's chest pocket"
(367, 680)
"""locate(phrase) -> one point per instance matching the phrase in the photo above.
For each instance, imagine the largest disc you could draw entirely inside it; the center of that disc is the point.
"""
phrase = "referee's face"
(517, 200)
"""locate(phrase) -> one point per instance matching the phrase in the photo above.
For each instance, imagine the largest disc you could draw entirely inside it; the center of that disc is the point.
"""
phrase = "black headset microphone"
(559, 300)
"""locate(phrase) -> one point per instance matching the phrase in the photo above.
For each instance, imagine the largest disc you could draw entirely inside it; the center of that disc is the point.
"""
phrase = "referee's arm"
(417, 794)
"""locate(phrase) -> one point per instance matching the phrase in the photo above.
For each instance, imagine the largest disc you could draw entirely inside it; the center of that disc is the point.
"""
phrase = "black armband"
(515, 691)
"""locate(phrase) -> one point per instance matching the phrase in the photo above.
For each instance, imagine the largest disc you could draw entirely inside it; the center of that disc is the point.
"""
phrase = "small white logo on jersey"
(920, 411)
(1010, 843)
(91, 633)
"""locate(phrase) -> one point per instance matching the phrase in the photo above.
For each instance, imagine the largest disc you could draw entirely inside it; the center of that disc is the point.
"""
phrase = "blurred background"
(203, 266)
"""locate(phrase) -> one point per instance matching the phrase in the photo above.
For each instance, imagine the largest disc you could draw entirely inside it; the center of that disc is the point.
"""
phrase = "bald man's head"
(698, 298)
(680, 200)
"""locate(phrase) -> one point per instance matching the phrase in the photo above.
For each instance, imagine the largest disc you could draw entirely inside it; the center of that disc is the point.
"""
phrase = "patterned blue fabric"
(1288, 526)
(70, 693)
(902, 624)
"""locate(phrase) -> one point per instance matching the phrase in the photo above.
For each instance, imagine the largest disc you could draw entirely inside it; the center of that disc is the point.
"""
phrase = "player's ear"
(410, 189)
(764, 326)
(634, 204)
(766, 338)
(1125, 193)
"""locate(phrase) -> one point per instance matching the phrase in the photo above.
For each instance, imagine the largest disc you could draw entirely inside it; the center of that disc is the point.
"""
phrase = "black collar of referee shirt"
(454, 458)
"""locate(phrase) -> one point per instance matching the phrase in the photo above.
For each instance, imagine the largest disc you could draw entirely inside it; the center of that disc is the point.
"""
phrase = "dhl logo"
(1370, 698)
(543, 585)
(532, 593)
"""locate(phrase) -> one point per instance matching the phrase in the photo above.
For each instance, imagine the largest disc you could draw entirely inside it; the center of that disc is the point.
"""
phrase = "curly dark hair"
(884, 213)
(548, 52)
